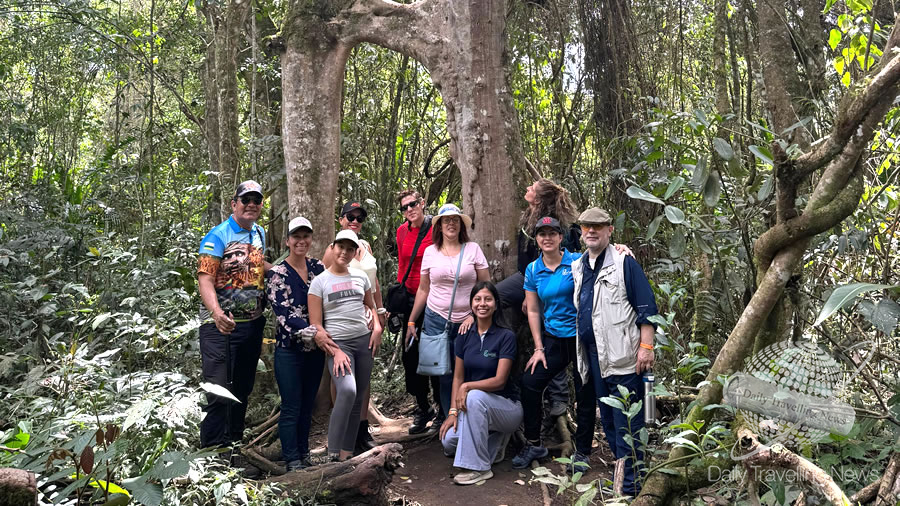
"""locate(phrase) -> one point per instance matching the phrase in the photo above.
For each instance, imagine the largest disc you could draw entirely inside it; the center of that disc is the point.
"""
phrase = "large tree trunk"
(462, 44)
(226, 23)
(17, 487)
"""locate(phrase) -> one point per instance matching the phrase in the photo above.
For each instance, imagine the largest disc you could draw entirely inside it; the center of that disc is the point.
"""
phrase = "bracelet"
(647, 346)
(538, 349)
(381, 310)
(452, 411)
(410, 324)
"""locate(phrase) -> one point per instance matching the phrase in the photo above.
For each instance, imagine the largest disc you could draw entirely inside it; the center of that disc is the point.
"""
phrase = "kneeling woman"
(338, 298)
(485, 407)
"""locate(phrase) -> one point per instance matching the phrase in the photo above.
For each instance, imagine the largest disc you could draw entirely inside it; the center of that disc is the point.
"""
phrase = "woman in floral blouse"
(298, 362)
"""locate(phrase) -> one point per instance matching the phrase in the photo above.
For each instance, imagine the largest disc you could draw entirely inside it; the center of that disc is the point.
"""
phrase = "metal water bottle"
(649, 398)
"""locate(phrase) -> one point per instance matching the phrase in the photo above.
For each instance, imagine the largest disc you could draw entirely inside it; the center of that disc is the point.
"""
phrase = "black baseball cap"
(248, 186)
(547, 221)
(353, 205)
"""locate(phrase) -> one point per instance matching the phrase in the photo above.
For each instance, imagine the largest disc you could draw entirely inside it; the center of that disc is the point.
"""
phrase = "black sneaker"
(438, 420)
(296, 465)
(420, 421)
(580, 462)
(364, 441)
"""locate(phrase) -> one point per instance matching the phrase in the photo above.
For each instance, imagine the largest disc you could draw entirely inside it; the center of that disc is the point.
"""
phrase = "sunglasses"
(597, 227)
(255, 199)
(359, 218)
(412, 204)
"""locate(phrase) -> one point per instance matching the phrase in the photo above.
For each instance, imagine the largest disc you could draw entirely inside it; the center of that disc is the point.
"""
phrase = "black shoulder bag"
(399, 300)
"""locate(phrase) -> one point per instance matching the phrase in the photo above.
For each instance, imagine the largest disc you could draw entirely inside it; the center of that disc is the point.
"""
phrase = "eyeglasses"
(247, 199)
(410, 205)
(596, 227)
(359, 218)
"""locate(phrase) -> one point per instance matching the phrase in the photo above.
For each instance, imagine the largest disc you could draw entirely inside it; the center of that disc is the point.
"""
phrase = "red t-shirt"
(406, 240)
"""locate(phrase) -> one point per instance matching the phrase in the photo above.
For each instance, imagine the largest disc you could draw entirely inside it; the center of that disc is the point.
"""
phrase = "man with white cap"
(614, 301)
(231, 283)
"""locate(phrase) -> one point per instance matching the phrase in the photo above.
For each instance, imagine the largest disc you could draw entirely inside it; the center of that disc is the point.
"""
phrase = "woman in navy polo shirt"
(484, 408)
(549, 291)
(298, 362)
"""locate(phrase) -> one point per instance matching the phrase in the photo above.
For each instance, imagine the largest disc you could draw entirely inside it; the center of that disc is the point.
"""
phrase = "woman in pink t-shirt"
(450, 238)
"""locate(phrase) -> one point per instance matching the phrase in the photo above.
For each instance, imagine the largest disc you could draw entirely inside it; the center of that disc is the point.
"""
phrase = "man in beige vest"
(614, 344)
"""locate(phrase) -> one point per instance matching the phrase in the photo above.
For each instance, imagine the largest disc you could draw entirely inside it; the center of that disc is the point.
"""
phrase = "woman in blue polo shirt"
(549, 290)
(485, 408)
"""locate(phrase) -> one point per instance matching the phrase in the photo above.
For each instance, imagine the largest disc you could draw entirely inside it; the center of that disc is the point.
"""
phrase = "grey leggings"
(344, 423)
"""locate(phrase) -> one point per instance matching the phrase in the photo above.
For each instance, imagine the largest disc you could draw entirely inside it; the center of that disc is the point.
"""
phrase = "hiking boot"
(472, 477)
(528, 453)
(296, 465)
(438, 420)
(364, 441)
(420, 421)
(580, 463)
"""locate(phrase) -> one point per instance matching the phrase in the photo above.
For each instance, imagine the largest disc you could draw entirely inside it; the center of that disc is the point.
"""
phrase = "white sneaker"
(501, 453)
(472, 477)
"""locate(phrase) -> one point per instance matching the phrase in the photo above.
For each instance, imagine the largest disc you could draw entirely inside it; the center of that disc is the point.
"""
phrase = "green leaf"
(700, 174)
(654, 156)
(723, 148)
(834, 38)
(612, 401)
(712, 190)
(218, 390)
(148, 494)
(674, 186)
(828, 5)
(762, 153)
(654, 226)
(677, 244)
(113, 488)
(703, 244)
(100, 320)
(641, 194)
(674, 215)
(766, 189)
(842, 296)
(886, 315)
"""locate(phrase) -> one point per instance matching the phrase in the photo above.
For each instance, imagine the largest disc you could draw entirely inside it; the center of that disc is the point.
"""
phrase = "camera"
(395, 323)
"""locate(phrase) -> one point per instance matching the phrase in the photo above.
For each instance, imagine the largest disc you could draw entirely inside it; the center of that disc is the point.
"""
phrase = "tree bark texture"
(779, 250)
(360, 480)
(462, 44)
(226, 22)
(17, 487)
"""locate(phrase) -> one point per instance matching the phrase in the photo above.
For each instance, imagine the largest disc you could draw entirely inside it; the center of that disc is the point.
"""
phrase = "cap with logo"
(452, 210)
(248, 186)
(347, 235)
(353, 205)
(297, 223)
(595, 216)
(547, 221)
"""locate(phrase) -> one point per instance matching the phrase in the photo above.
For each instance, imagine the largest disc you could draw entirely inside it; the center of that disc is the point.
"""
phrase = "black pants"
(417, 385)
(559, 354)
(224, 422)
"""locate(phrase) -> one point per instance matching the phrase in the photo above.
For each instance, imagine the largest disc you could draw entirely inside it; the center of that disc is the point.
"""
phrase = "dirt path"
(427, 476)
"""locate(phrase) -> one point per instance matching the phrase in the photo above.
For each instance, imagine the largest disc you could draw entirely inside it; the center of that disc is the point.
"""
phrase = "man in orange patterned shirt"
(231, 280)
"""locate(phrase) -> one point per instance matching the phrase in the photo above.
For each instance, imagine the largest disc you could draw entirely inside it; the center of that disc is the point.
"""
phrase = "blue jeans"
(298, 374)
(615, 423)
(434, 324)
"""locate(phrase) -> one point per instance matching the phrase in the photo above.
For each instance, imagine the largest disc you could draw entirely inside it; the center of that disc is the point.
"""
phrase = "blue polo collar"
(567, 259)
(235, 227)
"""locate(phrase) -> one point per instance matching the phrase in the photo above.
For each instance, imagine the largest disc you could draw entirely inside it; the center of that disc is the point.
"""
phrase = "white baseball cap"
(299, 222)
(347, 235)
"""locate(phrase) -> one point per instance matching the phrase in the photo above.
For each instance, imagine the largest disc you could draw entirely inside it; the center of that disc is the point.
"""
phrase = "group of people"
(590, 310)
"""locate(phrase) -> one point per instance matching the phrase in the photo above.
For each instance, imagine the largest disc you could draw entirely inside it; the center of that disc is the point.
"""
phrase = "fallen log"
(17, 487)
(890, 483)
(357, 481)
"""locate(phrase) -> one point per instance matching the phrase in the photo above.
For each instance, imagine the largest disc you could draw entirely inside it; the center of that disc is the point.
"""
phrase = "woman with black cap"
(298, 362)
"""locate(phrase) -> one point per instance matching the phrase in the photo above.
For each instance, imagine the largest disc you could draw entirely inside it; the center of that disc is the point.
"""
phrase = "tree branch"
(406, 28)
